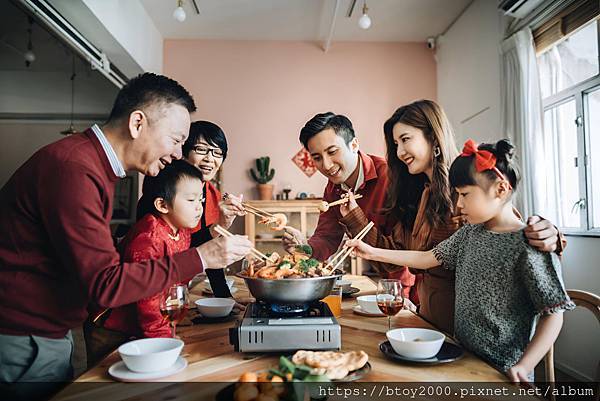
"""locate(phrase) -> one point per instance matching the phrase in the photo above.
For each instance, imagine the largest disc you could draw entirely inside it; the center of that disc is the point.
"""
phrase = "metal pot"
(290, 291)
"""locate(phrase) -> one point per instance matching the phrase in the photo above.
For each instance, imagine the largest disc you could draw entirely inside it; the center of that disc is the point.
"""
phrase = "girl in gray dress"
(502, 284)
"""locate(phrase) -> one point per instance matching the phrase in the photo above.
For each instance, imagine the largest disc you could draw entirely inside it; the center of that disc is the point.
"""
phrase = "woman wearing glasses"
(206, 149)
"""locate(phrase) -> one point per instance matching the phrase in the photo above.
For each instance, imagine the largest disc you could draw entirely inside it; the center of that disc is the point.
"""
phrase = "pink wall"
(262, 93)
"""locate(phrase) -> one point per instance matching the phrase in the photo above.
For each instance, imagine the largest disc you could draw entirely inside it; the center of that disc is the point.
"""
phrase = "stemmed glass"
(389, 298)
(173, 305)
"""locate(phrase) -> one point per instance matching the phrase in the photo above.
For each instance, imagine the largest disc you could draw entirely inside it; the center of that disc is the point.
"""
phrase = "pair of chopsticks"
(343, 200)
(226, 233)
(256, 211)
(345, 251)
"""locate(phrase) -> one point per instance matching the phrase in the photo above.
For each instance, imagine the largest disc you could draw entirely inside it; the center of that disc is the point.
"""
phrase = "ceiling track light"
(364, 21)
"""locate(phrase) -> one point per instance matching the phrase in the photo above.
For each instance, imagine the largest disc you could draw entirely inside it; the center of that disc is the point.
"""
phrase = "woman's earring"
(437, 151)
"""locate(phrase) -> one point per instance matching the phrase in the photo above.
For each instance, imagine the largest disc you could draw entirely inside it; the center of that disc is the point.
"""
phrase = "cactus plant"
(262, 175)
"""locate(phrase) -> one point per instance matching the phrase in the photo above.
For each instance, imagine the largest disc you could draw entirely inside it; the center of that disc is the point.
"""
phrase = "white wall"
(121, 29)
(20, 140)
(133, 28)
(468, 74)
(578, 347)
(37, 92)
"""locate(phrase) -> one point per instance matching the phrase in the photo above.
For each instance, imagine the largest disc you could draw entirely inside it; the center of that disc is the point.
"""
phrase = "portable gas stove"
(284, 327)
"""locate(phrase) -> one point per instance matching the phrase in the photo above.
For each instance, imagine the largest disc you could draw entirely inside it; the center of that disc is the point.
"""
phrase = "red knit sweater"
(56, 250)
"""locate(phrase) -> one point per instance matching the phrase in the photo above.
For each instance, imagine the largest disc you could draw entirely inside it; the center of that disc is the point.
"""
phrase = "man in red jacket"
(331, 141)
(56, 250)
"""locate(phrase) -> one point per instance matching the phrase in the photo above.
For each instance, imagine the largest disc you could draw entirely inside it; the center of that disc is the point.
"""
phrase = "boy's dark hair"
(339, 123)
(463, 173)
(146, 90)
(164, 185)
(212, 133)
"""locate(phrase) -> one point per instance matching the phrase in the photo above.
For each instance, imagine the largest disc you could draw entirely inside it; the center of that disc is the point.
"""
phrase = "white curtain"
(522, 122)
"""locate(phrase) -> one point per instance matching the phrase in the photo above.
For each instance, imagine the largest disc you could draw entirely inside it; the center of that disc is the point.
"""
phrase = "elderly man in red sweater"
(56, 250)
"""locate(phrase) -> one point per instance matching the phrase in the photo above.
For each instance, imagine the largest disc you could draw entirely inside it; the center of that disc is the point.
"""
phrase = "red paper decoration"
(304, 161)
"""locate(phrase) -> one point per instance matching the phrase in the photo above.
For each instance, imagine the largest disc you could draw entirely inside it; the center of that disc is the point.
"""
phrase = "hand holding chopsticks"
(343, 253)
(226, 233)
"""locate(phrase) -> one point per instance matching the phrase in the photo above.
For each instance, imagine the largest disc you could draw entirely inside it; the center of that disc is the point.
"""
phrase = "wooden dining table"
(211, 358)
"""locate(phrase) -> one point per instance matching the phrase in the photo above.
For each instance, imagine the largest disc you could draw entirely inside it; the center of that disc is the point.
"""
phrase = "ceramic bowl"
(214, 307)
(416, 343)
(150, 354)
(368, 303)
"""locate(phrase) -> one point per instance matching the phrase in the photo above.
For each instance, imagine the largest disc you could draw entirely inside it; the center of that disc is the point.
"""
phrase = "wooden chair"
(586, 300)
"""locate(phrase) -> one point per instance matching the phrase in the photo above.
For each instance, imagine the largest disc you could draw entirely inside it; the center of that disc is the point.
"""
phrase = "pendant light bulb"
(179, 13)
(29, 56)
(364, 21)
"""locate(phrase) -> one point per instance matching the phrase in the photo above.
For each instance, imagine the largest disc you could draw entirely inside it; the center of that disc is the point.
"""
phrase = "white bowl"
(368, 303)
(416, 343)
(215, 307)
(345, 284)
(150, 354)
(228, 280)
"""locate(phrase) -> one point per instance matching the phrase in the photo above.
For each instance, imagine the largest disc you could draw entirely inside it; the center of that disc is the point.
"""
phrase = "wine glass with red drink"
(389, 298)
(174, 305)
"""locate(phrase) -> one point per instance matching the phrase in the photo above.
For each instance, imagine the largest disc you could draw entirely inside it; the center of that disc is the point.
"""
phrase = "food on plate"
(334, 365)
(304, 366)
(277, 221)
(271, 385)
(298, 264)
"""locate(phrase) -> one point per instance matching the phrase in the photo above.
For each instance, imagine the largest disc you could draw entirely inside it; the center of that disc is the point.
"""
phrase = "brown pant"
(100, 342)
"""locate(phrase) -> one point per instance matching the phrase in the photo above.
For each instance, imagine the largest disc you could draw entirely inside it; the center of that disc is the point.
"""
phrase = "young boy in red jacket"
(172, 207)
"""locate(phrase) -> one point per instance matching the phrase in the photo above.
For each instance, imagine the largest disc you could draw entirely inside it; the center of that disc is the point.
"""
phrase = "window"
(569, 72)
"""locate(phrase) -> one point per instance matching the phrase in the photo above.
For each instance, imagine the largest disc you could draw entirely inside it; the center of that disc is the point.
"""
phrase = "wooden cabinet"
(302, 215)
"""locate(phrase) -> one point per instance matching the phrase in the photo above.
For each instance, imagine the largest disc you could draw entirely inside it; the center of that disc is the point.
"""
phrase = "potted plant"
(262, 176)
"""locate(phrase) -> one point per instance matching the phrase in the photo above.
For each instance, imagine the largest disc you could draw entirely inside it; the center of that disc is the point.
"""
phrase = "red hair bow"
(484, 159)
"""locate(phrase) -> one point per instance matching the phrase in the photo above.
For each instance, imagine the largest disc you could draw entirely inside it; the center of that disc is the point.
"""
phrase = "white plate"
(358, 310)
(120, 372)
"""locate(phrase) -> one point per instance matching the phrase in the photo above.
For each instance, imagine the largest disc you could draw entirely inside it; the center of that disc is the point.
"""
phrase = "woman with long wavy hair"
(420, 206)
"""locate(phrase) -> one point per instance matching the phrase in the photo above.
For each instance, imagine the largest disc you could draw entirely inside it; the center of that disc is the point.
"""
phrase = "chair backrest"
(586, 300)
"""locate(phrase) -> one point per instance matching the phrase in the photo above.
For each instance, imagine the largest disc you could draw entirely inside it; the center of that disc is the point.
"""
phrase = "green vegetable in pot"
(306, 264)
(305, 249)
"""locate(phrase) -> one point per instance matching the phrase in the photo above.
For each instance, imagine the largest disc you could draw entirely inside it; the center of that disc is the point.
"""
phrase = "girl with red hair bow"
(503, 284)
(421, 209)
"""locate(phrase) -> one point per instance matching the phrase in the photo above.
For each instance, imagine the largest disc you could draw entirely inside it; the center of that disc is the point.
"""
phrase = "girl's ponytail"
(504, 150)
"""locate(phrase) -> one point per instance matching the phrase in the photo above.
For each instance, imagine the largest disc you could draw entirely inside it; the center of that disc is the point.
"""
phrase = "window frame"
(578, 93)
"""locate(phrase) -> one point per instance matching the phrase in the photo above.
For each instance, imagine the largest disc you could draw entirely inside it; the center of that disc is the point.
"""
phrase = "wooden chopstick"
(256, 213)
(247, 206)
(226, 233)
(341, 251)
(347, 251)
(359, 237)
(343, 200)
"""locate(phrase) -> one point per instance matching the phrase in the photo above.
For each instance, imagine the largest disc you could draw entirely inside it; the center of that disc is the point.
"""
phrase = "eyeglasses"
(203, 151)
